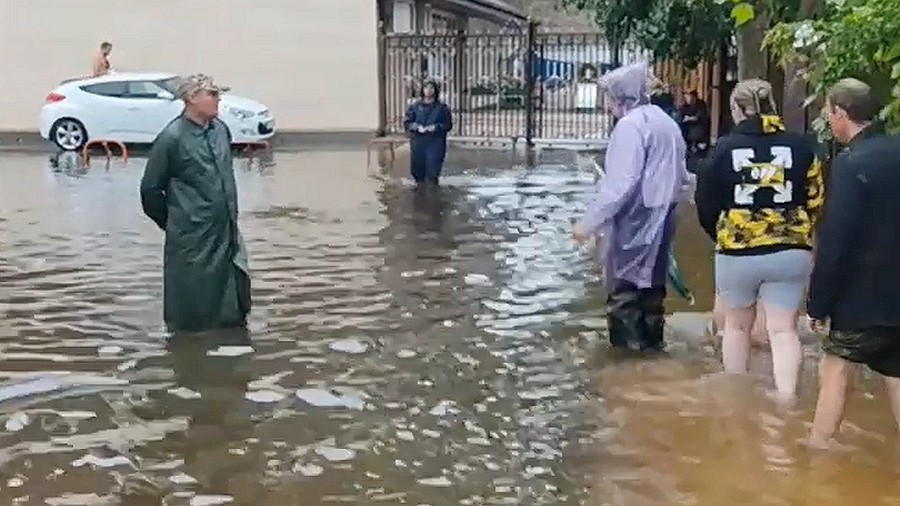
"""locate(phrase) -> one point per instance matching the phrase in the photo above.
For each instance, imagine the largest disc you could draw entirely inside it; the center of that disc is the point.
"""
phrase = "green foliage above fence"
(686, 31)
(854, 38)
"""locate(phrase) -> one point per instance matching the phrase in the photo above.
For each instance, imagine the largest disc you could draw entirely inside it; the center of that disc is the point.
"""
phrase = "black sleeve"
(708, 195)
(834, 239)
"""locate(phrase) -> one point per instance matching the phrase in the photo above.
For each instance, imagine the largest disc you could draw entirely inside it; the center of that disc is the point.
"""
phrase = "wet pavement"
(405, 348)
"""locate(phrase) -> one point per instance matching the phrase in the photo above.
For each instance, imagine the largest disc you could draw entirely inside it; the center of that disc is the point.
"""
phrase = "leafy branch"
(854, 38)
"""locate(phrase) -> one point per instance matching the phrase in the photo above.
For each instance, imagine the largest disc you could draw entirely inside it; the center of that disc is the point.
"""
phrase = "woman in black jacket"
(758, 197)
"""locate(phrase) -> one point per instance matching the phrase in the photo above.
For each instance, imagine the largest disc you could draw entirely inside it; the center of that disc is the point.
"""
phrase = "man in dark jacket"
(857, 259)
(188, 190)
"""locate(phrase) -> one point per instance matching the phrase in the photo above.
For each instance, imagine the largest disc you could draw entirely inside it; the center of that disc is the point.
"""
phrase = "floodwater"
(404, 349)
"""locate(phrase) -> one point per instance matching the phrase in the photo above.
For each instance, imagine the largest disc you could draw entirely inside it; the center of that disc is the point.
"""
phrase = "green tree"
(691, 30)
(853, 38)
(687, 31)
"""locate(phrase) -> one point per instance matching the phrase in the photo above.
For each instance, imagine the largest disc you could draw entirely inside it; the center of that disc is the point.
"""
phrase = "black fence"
(529, 85)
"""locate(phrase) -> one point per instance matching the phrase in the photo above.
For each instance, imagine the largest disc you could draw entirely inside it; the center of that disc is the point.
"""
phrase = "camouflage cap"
(193, 84)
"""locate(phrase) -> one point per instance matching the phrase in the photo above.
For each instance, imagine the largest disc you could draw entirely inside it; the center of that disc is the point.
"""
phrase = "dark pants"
(636, 316)
(427, 158)
(876, 347)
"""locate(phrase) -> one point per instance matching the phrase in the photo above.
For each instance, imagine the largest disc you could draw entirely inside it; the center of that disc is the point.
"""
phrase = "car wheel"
(69, 134)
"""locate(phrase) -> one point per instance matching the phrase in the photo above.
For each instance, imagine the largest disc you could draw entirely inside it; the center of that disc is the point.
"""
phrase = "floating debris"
(477, 279)
(17, 422)
(95, 461)
(324, 399)
(444, 407)
(309, 470)
(335, 454)
(440, 481)
(406, 354)
(182, 479)
(264, 396)
(230, 351)
(110, 350)
(184, 393)
(351, 346)
(211, 500)
(79, 500)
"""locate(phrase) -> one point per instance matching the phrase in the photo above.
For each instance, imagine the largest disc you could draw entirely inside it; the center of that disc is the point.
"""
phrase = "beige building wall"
(312, 62)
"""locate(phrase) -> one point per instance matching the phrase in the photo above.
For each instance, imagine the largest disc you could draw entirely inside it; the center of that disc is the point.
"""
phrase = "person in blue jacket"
(428, 121)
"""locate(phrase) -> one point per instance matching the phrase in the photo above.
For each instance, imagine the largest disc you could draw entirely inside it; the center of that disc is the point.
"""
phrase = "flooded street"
(404, 348)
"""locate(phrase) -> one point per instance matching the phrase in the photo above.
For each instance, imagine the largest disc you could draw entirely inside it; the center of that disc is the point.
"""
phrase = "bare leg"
(834, 382)
(893, 389)
(758, 336)
(718, 317)
(736, 340)
(787, 354)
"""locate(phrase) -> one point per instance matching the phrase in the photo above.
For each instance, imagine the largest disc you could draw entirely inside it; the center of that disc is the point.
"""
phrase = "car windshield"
(170, 84)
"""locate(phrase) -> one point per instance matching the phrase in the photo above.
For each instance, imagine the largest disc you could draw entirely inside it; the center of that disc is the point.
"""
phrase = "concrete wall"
(313, 62)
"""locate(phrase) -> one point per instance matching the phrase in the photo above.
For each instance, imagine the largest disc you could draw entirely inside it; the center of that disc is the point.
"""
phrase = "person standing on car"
(428, 121)
(757, 198)
(632, 214)
(101, 65)
(857, 267)
(188, 190)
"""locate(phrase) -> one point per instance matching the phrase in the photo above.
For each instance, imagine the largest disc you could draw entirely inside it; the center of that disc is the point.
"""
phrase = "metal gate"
(521, 86)
(530, 85)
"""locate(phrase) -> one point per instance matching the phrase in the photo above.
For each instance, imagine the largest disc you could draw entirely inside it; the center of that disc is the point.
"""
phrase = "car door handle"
(134, 108)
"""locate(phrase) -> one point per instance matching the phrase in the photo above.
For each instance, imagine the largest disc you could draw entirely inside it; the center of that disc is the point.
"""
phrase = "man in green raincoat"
(188, 190)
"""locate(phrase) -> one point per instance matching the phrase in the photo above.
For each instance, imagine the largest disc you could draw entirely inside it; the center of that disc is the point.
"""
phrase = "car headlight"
(240, 113)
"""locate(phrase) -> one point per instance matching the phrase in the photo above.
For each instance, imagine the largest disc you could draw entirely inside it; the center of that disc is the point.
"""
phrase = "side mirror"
(165, 95)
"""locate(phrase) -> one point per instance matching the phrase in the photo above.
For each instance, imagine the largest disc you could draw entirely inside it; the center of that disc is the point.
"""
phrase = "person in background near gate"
(428, 121)
(857, 267)
(661, 97)
(100, 65)
(632, 214)
(188, 190)
(757, 197)
(695, 122)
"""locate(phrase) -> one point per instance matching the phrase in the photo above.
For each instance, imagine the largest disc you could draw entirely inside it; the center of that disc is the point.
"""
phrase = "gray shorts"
(776, 279)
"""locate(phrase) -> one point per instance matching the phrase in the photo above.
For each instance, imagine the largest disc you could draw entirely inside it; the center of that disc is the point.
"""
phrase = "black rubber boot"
(624, 317)
(654, 318)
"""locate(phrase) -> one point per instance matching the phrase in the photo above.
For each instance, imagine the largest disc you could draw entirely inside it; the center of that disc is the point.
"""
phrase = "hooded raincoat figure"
(188, 190)
(428, 121)
(632, 212)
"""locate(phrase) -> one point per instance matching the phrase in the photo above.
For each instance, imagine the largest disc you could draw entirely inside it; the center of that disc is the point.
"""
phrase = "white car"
(134, 108)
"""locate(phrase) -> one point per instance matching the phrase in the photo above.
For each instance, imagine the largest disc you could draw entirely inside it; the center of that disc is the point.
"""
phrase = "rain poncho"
(645, 175)
(188, 190)
(428, 150)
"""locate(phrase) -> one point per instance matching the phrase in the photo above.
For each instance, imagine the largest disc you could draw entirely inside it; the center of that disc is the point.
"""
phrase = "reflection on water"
(407, 347)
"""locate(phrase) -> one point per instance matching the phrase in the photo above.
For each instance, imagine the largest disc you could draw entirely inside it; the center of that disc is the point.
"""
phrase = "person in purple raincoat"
(632, 213)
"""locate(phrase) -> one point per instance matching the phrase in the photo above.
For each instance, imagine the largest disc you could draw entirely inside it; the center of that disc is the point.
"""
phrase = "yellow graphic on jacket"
(790, 225)
(771, 124)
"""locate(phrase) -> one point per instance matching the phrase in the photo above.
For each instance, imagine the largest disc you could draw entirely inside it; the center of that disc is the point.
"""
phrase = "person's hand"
(579, 233)
(431, 128)
(421, 129)
(817, 326)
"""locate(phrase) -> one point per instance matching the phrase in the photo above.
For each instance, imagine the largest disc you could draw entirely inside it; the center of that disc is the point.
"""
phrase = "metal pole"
(530, 45)
(382, 81)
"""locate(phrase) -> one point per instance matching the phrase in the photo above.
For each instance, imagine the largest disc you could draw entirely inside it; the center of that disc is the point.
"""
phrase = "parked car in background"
(134, 108)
